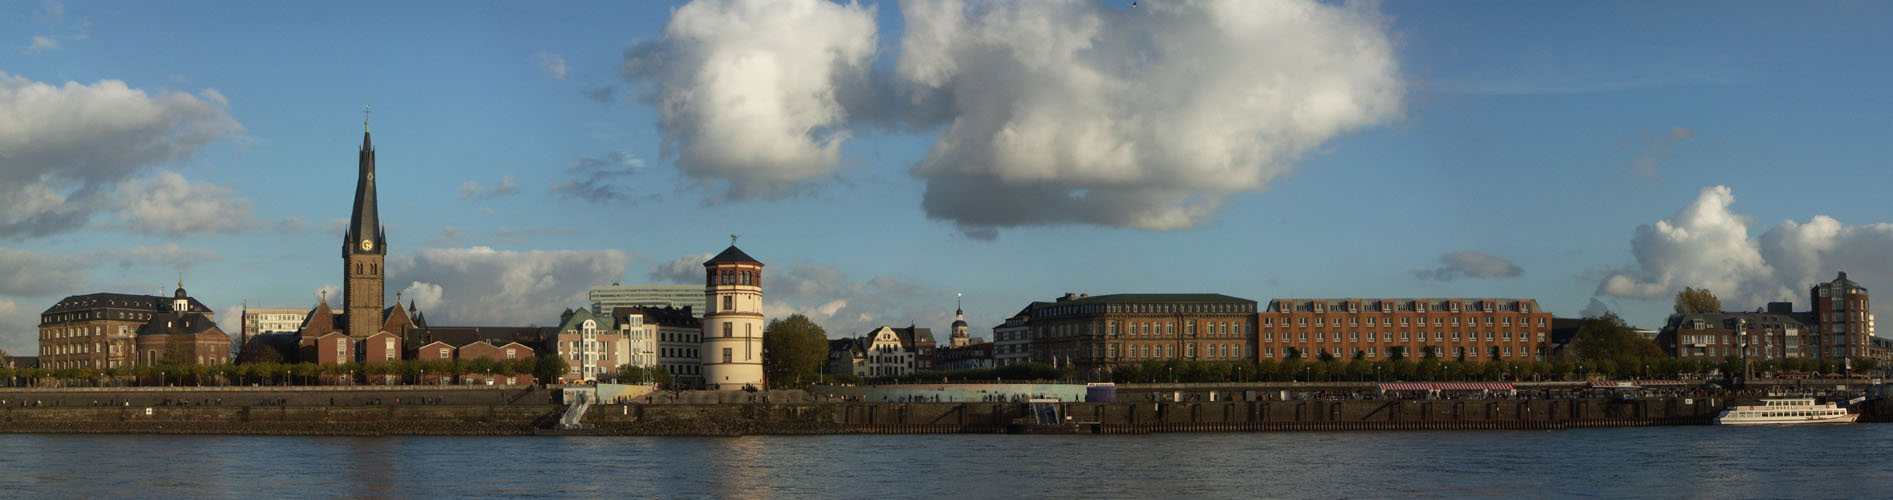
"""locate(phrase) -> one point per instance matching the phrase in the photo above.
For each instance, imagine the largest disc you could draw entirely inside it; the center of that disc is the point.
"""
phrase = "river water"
(1831, 461)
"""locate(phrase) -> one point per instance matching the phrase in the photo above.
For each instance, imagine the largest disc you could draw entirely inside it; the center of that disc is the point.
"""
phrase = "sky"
(883, 157)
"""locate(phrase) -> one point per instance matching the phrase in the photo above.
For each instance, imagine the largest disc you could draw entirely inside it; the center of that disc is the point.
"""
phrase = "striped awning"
(1446, 386)
(1474, 386)
(1607, 384)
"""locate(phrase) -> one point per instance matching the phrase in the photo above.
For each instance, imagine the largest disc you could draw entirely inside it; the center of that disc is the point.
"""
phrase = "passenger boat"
(1786, 411)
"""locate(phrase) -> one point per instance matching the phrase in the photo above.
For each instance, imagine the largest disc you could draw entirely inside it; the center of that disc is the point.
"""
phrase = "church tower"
(732, 323)
(364, 249)
(959, 326)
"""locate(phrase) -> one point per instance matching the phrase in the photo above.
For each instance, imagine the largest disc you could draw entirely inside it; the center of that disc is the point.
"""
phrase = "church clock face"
(368, 245)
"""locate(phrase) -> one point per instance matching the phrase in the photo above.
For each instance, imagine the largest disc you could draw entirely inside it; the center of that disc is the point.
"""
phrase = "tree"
(793, 349)
(549, 367)
(1696, 300)
(1293, 353)
(1609, 338)
(177, 352)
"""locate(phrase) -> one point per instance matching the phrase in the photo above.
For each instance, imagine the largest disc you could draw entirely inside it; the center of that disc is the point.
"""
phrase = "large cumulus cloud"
(745, 89)
(64, 147)
(1073, 112)
(1046, 112)
(1707, 245)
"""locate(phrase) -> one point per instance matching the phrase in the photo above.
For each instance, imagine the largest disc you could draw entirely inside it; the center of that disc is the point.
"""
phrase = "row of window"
(1372, 322)
(1401, 306)
(1387, 336)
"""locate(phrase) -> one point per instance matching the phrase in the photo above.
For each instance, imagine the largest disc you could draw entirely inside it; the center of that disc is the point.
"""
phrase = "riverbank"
(370, 411)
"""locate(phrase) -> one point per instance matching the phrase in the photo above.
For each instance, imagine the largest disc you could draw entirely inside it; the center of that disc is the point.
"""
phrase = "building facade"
(1090, 333)
(1012, 340)
(1836, 326)
(1842, 318)
(591, 351)
(972, 356)
(733, 323)
(112, 330)
(1381, 329)
(674, 340)
(610, 298)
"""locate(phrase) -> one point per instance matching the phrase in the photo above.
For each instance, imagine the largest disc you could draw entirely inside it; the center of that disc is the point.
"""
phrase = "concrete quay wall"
(822, 418)
(283, 420)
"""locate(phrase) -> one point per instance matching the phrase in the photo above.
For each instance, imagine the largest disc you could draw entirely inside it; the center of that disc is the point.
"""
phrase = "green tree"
(793, 350)
(549, 368)
(1609, 338)
(1696, 300)
(176, 351)
(1293, 353)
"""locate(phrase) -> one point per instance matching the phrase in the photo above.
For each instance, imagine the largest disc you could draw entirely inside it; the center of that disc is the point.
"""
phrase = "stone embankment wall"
(282, 420)
(821, 418)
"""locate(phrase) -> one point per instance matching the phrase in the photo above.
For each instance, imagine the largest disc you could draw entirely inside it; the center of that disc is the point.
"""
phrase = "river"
(1831, 461)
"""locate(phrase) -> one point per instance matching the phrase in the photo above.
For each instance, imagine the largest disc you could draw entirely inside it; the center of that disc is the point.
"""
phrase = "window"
(728, 302)
(444, 353)
(509, 354)
(727, 357)
(728, 330)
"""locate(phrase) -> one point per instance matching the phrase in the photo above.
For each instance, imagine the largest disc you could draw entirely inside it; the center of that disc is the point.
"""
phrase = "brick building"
(1090, 333)
(1380, 329)
(110, 330)
(1837, 326)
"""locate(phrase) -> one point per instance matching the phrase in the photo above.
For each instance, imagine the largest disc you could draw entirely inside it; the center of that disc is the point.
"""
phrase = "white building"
(673, 340)
(732, 322)
(610, 298)
(261, 320)
(887, 355)
(1012, 341)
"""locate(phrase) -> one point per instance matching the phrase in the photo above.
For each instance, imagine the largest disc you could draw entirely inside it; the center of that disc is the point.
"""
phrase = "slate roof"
(169, 323)
(1156, 298)
(661, 316)
(732, 254)
(118, 301)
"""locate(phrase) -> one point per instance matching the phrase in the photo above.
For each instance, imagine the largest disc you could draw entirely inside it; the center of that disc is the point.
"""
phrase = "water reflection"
(1663, 462)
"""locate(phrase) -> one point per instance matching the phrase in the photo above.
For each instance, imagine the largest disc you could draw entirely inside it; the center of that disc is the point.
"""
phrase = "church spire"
(364, 226)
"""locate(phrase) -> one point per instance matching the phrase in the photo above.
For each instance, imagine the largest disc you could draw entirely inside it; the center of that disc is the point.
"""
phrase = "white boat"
(1786, 411)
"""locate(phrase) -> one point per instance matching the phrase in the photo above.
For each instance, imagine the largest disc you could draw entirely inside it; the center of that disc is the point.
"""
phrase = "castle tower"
(732, 323)
(364, 251)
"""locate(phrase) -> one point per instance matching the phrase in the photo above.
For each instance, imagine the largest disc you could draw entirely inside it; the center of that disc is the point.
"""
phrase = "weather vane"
(732, 240)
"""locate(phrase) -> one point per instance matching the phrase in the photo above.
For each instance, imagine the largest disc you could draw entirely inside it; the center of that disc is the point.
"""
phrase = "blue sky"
(1505, 150)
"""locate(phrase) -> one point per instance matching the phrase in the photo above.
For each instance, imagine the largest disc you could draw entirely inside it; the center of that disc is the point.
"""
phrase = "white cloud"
(168, 255)
(67, 146)
(846, 307)
(331, 293)
(473, 190)
(293, 225)
(337, 226)
(746, 89)
(1075, 112)
(42, 43)
(1470, 264)
(169, 205)
(19, 329)
(687, 270)
(25, 273)
(553, 64)
(1705, 245)
(424, 296)
(483, 286)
